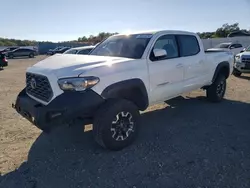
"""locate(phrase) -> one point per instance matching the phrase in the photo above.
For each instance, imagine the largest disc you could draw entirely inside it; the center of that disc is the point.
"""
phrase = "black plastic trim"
(64, 108)
(223, 66)
(133, 90)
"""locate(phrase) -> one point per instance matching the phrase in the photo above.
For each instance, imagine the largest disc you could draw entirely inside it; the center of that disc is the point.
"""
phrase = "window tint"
(168, 43)
(188, 45)
(236, 45)
(84, 52)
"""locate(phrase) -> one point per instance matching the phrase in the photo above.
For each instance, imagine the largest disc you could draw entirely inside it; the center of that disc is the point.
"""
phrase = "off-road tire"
(213, 94)
(103, 122)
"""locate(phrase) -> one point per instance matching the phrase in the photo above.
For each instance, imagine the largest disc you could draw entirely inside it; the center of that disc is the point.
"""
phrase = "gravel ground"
(188, 142)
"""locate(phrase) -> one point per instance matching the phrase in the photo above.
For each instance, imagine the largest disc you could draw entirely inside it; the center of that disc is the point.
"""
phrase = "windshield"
(128, 46)
(223, 45)
(248, 49)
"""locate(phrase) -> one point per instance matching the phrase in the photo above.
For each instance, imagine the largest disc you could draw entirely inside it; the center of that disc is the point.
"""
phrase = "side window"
(84, 52)
(168, 43)
(188, 45)
(237, 46)
(19, 50)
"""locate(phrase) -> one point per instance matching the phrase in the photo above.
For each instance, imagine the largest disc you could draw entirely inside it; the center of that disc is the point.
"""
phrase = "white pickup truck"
(242, 62)
(122, 75)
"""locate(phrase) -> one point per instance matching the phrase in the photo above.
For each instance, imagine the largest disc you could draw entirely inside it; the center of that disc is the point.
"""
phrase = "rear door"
(166, 73)
(192, 57)
(26, 52)
(18, 52)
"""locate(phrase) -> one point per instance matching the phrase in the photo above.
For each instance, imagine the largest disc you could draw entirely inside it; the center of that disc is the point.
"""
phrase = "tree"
(226, 29)
(221, 32)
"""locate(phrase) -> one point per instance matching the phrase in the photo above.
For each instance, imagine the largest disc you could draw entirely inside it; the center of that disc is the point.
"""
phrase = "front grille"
(245, 59)
(39, 87)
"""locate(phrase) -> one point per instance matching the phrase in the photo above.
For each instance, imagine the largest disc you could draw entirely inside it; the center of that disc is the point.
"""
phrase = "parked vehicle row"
(80, 50)
(58, 50)
(84, 50)
(123, 75)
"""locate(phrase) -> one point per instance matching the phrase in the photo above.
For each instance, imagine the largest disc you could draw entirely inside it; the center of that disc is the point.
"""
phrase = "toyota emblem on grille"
(33, 83)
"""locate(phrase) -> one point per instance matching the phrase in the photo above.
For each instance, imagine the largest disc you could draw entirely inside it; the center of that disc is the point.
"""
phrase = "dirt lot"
(188, 142)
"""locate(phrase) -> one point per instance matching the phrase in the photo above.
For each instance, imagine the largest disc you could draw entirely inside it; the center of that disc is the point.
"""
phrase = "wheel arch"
(133, 90)
(222, 68)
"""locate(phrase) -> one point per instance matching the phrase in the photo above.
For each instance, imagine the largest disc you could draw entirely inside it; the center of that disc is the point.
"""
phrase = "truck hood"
(244, 53)
(65, 65)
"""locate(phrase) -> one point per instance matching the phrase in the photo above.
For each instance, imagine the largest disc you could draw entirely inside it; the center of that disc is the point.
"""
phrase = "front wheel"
(216, 91)
(236, 72)
(31, 55)
(11, 56)
(116, 124)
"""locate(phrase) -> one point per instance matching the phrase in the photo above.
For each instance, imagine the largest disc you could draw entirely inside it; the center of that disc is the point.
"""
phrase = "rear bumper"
(64, 108)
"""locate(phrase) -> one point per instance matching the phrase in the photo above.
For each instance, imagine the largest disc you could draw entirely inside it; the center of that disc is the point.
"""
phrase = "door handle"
(179, 66)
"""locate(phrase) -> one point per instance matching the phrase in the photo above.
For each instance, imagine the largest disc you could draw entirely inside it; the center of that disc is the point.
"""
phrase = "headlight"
(237, 58)
(78, 83)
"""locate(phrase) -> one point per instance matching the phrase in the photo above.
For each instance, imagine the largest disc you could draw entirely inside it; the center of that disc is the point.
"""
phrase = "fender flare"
(132, 89)
(223, 68)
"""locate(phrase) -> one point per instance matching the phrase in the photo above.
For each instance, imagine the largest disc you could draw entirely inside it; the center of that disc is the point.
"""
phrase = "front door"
(166, 73)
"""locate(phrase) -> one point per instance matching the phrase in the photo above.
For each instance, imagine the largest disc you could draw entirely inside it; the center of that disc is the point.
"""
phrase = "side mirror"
(160, 53)
(232, 47)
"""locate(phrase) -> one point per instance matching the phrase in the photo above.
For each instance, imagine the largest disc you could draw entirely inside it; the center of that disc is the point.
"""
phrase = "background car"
(52, 51)
(5, 50)
(80, 50)
(3, 60)
(21, 52)
(233, 47)
(62, 50)
(58, 50)
(242, 62)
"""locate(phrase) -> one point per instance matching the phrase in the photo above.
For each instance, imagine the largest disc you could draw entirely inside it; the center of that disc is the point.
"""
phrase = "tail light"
(4, 59)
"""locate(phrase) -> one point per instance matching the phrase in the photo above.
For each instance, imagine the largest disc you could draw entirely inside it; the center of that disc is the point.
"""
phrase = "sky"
(62, 20)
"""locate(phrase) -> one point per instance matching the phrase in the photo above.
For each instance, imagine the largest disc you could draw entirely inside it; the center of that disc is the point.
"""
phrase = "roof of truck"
(153, 32)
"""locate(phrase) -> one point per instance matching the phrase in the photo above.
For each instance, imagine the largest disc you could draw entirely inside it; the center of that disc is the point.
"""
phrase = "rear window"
(188, 45)
(223, 45)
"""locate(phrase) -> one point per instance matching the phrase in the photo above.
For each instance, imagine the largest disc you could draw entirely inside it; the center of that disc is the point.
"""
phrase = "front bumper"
(62, 109)
(242, 67)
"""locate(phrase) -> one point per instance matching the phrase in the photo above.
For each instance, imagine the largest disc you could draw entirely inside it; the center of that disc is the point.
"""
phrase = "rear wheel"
(31, 55)
(11, 56)
(236, 72)
(116, 124)
(216, 91)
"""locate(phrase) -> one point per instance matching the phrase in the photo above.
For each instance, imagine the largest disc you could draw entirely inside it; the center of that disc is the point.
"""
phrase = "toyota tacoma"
(242, 62)
(121, 76)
